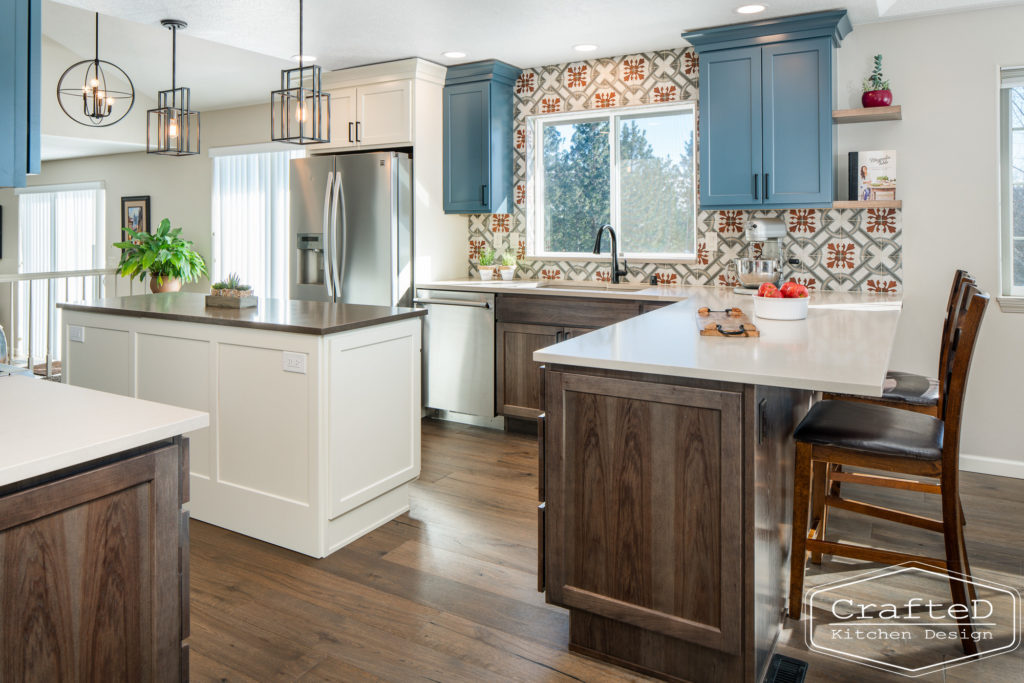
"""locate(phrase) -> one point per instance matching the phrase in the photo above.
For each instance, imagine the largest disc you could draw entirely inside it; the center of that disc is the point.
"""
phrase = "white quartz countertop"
(571, 288)
(844, 345)
(46, 426)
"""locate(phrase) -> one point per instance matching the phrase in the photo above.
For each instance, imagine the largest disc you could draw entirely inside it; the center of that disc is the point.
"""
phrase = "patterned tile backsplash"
(837, 249)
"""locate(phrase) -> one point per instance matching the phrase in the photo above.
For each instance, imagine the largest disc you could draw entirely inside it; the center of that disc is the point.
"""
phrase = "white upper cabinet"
(384, 115)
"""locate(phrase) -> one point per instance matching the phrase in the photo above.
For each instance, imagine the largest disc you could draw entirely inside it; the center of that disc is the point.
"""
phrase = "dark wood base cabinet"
(94, 571)
(665, 524)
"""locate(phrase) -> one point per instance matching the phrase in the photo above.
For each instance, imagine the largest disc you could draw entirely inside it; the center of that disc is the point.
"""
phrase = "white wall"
(944, 71)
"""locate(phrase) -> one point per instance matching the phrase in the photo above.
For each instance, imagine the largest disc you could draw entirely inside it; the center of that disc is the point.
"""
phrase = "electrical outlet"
(711, 242)
(76, 333)
(293, 362)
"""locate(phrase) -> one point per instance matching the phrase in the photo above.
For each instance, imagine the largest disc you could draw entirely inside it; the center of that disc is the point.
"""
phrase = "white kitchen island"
(314, 408)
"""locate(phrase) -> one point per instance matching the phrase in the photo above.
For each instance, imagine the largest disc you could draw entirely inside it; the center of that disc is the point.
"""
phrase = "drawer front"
(565, 311)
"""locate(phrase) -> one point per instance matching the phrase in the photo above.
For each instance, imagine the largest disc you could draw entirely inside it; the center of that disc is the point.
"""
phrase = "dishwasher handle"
(453, 302)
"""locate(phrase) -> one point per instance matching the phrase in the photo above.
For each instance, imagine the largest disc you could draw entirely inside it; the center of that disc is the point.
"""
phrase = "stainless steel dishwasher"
(458, 351)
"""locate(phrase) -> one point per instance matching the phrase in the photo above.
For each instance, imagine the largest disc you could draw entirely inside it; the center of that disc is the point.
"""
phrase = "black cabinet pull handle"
(483, 194)
(755, 187)
(766, 187)
(350, 132)
(358, 136)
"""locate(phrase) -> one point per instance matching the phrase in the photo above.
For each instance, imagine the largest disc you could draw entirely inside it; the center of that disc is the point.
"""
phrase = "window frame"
(535, 212)
(1009, 78)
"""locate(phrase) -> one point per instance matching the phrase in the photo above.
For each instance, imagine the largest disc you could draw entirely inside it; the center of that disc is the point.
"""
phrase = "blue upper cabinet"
(730, 115)
(20, 41)
(478, 137)
(766, 92)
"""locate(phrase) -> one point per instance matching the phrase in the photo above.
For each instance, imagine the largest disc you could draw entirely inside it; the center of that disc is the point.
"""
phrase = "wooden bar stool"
(846, 433)
(909, 390)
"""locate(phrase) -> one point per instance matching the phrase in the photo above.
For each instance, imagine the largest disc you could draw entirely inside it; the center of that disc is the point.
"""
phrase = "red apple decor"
(876, 88)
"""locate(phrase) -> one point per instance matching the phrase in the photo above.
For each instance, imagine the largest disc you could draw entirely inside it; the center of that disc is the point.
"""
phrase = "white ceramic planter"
(486, 272)
(508, 272)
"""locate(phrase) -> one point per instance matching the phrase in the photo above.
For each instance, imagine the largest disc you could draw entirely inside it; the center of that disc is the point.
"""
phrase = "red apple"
(768, 289)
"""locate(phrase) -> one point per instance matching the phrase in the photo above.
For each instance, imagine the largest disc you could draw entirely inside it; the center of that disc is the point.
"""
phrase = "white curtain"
(59, 230)
(250, 219)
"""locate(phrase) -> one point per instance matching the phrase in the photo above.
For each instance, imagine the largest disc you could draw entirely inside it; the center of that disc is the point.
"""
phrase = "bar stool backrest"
(963, 339)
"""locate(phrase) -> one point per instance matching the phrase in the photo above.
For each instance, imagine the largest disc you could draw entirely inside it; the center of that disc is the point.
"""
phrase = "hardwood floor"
(447, 592)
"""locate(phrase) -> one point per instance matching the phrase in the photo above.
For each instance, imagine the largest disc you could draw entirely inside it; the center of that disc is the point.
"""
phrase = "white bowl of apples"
(788, 302)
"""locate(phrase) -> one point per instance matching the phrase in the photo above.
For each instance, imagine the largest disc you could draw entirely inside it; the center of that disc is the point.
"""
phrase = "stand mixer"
(764, 265)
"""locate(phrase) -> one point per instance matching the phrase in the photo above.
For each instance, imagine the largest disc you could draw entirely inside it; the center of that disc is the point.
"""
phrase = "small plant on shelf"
(876, 87)
(486, 264)
(231, 286)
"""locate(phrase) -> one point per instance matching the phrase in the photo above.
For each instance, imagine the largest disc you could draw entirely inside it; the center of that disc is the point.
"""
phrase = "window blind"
(250, 219)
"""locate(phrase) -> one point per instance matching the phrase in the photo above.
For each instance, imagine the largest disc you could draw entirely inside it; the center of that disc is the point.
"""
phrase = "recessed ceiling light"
(585, 47)
(305, 58)
(750, 9)
(453, 54)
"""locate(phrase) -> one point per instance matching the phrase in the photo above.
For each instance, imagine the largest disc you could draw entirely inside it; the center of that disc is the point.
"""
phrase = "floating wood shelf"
(886, 204)
(894, 113)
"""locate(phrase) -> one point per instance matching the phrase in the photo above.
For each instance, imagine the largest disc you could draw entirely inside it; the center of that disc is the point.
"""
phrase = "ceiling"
(233, 50)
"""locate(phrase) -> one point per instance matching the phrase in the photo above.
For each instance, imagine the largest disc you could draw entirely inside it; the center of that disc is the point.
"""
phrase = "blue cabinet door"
(20, 40)
(466, 147)
(730, 128)
(797, 122)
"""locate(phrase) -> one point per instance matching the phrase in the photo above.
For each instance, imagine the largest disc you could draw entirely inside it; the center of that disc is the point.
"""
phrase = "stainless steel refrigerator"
(351, 228)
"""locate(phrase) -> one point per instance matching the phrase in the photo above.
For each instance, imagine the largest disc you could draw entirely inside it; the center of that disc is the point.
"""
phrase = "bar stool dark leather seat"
(909, 390)
(875, 437)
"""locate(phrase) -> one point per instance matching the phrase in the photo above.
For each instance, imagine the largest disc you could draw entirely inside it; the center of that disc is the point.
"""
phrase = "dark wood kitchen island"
(666, 476)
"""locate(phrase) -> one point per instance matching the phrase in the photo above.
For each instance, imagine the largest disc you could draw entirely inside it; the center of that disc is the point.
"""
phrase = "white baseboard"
(462, 418)
(982, 464)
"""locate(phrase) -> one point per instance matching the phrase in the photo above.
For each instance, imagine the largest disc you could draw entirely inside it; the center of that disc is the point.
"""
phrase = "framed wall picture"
(135, 214)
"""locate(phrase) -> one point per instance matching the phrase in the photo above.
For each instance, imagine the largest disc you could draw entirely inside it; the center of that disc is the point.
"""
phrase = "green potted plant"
(486, 264)
(168, 259)
(508, 265)
(876, 87)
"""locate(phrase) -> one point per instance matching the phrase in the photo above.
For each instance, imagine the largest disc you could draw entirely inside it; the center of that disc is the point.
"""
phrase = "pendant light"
(106, 93)
(300, 112)
(172, 128)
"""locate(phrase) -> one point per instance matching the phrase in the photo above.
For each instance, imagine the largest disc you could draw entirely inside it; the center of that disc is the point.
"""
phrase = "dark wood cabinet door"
(519, 382)
(89, 575)
(644, 506)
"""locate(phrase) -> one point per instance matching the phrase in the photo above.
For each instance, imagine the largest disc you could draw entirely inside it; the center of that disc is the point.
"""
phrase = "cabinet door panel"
(466, 153)
(797, 122)
(384, 114)
(520, 385)
(651, 528)
(730, 127)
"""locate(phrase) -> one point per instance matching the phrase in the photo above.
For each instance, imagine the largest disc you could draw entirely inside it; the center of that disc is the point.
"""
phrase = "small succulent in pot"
(231, 286)
(486, 264)
(508, 265)
(876, 87)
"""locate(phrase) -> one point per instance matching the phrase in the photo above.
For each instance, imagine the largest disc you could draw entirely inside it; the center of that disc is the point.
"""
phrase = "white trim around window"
(1012, 294)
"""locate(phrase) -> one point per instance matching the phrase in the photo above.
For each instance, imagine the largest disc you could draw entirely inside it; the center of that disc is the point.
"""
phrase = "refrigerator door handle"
(339, 194)
(328, 237)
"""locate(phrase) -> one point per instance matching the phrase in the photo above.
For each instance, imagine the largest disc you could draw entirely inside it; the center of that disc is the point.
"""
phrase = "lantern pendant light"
(300, 112)
(173, 128)
(95, 103)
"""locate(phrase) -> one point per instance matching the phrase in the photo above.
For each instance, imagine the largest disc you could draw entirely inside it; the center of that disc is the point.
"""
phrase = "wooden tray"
(231, 301)
(732, 322)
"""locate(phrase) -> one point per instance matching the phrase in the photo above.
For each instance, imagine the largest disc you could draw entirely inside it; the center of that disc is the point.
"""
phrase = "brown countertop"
(280, 315)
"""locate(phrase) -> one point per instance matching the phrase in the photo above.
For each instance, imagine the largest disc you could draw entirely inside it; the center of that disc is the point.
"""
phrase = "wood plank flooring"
(447, 592)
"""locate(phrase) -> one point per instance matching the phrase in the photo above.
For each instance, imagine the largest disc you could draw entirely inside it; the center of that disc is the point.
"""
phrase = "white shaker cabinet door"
(384, 114)
(374, 412)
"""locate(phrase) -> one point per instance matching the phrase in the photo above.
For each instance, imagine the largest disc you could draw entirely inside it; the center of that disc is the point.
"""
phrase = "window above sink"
(631, 167)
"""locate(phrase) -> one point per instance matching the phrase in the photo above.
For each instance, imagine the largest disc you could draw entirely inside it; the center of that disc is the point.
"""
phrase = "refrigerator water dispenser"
(310, 259)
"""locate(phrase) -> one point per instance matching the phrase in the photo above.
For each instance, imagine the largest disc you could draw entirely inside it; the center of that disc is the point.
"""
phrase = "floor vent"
(784, 669)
